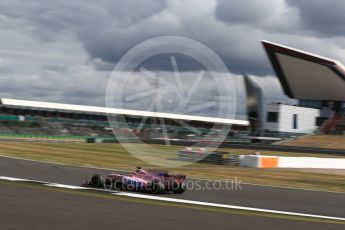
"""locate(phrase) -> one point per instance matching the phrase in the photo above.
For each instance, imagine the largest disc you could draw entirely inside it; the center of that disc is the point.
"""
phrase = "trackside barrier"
(203, 156)
(311, 162)
(40, 136)
(261, 161)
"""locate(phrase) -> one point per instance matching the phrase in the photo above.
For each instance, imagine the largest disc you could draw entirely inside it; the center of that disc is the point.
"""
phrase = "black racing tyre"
(96, 181)
(157, 187)
(108, 183)
(179, 189)
(117, 184)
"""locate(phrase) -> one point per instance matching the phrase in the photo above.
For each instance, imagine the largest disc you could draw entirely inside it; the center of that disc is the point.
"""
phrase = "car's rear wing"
(179, 177)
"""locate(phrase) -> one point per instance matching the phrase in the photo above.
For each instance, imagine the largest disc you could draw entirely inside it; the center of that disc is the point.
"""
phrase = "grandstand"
(23, 117)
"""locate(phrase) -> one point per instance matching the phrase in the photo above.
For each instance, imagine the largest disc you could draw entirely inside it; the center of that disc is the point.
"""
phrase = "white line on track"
(193, 178)
(143, 196)
(22, 180)
(11, 178)
(174, 200)
(66, 186)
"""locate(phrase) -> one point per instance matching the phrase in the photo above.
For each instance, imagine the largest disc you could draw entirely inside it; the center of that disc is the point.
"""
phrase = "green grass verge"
(114, 156)
(318, 141)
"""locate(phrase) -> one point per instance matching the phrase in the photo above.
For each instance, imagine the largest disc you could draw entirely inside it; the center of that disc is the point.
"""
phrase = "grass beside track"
(116, 157)
(318, 141)
(105, 195)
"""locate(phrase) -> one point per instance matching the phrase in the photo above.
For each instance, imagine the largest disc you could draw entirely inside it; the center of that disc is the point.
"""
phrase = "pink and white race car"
(153, 181)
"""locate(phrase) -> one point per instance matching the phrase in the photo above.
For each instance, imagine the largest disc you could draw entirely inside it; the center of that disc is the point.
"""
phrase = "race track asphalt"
(32, 208)
(282, 199)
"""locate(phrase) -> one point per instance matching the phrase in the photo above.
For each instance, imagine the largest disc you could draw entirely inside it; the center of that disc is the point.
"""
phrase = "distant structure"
(319, 85)
(24, 117)
(255, 106)
(276, 119)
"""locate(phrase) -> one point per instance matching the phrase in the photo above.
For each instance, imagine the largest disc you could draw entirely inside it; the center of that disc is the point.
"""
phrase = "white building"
(316, 82)
(291, 119)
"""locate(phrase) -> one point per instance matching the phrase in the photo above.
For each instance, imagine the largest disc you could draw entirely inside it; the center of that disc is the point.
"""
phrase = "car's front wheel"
(157, 187)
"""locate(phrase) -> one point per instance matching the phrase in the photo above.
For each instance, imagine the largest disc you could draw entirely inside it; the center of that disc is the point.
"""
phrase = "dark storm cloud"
(268, 15)
(248, 11)
(108, 29)
(325, 17)
(70, 46)
(103, 27)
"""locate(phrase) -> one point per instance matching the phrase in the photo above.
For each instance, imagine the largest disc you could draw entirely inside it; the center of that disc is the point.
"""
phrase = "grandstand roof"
(49, 106)
(307, 76)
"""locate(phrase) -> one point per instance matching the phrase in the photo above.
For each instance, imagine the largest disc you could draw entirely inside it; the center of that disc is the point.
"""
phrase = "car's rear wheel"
(179, 188)
(96, 181)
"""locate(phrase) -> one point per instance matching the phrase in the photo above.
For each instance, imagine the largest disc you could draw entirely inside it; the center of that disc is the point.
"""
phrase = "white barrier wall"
(250, 161)
(261, 161)
(311, 162)
(305, 119)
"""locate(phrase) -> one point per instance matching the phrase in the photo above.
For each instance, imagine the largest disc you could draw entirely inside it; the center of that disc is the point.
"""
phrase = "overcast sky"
(63, 51)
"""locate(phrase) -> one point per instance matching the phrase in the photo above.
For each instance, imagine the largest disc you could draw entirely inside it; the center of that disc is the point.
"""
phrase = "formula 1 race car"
(152, 181)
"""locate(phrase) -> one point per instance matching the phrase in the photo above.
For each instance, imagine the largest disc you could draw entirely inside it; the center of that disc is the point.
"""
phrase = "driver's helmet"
(140, 171)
